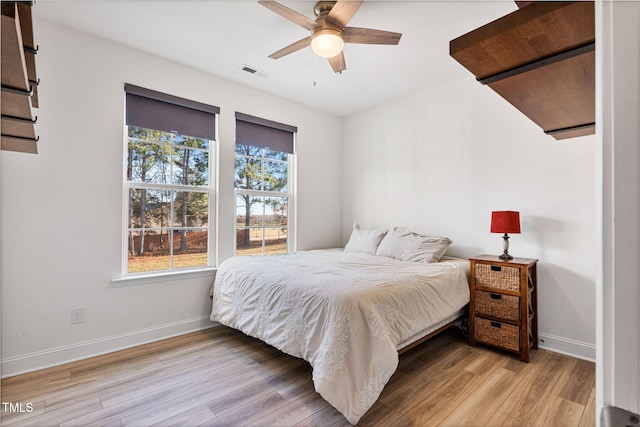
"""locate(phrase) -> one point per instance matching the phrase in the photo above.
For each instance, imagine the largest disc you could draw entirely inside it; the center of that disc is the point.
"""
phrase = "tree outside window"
(262, 200)
(167, 184)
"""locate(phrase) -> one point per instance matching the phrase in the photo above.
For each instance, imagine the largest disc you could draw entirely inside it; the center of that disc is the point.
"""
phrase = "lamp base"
(505, 246)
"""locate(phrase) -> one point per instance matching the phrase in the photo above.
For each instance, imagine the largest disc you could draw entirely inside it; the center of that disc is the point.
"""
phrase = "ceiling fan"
(329, 31)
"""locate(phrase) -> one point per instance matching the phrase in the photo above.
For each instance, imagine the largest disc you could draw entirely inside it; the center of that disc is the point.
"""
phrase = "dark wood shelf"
(541, 59)
(18, 77)
(30, 48)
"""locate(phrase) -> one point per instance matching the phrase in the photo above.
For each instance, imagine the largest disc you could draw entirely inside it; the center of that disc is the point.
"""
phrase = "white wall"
(61, 209)
(441, 160)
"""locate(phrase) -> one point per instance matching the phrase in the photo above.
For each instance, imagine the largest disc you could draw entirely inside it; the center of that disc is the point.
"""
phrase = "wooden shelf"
(14, 64)
(10, 143)
(30, 48)
(541, 59)
(22, 128)
(18, 77)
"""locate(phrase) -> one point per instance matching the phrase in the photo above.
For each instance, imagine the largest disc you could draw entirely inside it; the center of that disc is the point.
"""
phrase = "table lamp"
(505, 222)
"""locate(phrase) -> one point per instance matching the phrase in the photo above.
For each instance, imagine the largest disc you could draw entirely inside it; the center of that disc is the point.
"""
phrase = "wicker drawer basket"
(497, 333)
(498, 277)
(497, 305)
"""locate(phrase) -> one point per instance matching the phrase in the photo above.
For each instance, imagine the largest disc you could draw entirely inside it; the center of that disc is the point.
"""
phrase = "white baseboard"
(16, 365)
(70, 353)
(579, 349)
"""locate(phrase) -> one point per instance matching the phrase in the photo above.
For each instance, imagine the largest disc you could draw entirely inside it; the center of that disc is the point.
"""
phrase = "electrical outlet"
(77, 315)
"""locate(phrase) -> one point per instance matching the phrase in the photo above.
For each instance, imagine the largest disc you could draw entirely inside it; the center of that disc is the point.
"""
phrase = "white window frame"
(290, 194)
(127, 278)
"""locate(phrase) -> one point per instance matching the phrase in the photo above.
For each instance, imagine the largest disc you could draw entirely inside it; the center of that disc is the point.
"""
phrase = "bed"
(347, 312)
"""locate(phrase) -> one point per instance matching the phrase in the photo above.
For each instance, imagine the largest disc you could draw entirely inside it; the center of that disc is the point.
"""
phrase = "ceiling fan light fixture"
(327, 42)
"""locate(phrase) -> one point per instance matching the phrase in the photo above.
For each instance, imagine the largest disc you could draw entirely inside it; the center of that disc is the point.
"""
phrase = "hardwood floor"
(221, 377)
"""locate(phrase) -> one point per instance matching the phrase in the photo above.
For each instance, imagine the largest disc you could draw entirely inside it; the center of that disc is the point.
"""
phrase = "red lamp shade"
(505, 222)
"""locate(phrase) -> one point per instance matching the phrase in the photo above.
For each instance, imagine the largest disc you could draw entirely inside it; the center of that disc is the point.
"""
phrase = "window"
(264, 157)
(168, 182)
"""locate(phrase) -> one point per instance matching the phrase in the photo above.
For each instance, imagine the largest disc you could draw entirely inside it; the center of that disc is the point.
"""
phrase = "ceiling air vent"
(254, 71)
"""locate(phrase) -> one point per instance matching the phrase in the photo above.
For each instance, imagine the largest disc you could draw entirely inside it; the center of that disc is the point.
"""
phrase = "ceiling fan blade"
(370, 36)
(342, 12)
(293, 47)
(337, 63)
(289, 14)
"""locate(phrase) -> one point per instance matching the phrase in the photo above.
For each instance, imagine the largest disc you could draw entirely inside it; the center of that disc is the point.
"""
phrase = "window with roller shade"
(168, 183)
(264, 162)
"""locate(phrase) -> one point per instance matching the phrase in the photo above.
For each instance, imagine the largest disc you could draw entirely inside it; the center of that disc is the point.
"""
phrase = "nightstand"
(503, 311)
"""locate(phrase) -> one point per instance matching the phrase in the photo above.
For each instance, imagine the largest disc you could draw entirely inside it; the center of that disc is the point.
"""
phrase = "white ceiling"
(221, 36)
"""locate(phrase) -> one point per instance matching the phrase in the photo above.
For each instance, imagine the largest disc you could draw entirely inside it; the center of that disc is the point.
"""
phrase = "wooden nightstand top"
(496, 259)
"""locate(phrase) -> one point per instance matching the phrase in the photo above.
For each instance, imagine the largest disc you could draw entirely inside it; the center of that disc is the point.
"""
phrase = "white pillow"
(402, 244)
(365, 241)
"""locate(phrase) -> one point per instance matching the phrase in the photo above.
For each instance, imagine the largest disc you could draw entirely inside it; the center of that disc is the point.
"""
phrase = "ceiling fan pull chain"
(315, 69)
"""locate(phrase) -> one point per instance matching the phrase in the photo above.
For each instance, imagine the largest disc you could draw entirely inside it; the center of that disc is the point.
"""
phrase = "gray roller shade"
(156, 110)
(263, 133)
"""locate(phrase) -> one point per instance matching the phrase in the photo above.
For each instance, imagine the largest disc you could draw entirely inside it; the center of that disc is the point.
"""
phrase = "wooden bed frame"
(433, 334)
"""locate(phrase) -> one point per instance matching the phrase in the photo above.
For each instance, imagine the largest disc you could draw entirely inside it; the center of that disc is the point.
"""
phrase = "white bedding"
(345, 313)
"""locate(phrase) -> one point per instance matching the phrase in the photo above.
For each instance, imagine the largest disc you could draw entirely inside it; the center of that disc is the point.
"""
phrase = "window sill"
(144, 279)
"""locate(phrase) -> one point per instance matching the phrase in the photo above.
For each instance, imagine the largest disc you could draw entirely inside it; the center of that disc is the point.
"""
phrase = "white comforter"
(345, 313)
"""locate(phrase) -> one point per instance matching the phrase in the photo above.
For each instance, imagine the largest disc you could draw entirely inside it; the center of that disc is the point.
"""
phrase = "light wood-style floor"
(221, 377)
